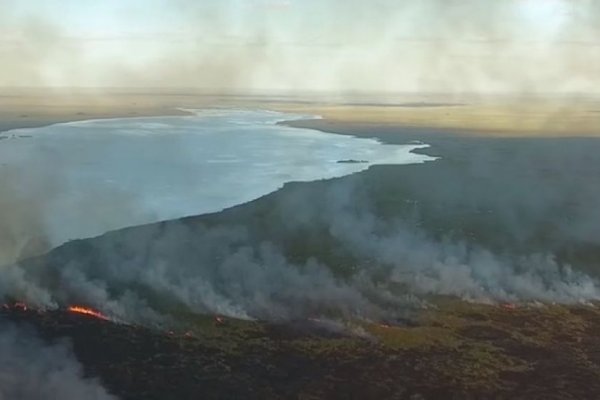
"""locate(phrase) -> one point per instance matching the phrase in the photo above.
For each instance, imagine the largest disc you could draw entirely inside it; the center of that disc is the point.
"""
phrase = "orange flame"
(88, 311)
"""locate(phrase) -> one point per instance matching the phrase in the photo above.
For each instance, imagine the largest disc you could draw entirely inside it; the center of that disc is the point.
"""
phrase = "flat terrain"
(475, 115)
(513, 179)
(455, 351)
(30, 108)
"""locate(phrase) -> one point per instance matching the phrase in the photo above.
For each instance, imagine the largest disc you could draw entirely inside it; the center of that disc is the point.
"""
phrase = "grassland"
(476, 117)
(456, 350)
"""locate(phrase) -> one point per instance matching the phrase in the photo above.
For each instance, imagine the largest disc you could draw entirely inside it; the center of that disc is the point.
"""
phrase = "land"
(477, 117)
(29, 108)
(512, 177)
(466, 114)
(454, 351)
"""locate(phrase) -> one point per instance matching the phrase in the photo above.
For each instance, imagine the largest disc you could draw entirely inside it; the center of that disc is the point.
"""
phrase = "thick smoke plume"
(329, 249)
(32, 369)
(330, 252)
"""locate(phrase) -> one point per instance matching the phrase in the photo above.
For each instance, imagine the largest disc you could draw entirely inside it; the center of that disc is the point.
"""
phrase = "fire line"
(88, 311)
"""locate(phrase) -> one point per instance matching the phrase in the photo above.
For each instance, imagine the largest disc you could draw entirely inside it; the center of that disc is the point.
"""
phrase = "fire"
(509, 306)
(88, 311)
(20, 306)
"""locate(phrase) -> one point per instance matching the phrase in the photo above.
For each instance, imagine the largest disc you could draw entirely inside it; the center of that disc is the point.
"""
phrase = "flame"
(509, 306)
(20, 306)
(88, 311)
(219, 320)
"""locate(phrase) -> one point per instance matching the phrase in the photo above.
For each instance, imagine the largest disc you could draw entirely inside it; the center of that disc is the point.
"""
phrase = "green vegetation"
(466, 349)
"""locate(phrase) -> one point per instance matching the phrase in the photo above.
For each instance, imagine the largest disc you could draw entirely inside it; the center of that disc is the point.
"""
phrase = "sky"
(303, 45)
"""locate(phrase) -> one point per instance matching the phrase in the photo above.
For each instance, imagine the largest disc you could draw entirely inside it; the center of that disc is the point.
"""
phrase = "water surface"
(88, 177)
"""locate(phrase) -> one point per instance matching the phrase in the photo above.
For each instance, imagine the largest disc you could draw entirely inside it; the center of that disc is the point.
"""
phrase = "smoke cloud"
(20, 218)
(426, 45)
(330, 249)
(32, 369)
(332, 252)
(30, 229)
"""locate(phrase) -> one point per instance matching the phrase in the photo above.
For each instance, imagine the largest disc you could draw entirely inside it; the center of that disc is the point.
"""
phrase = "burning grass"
(453, 350)
(87, 311)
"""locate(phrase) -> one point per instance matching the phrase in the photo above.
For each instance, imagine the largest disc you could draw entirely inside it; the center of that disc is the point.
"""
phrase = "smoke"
(372, 246)
(220, 273)
(29, 196)
(332, 252)
(32, 369)
(21, 216)
(490, 220)
(142, 279)
(425, 45)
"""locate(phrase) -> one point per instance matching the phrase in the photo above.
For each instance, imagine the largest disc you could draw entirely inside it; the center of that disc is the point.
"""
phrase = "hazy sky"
(338, 45)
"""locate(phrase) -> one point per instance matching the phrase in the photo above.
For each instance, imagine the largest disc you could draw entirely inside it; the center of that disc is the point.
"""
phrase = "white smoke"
(145, 274)
(325, 249)
(32, 369)
(325, 45)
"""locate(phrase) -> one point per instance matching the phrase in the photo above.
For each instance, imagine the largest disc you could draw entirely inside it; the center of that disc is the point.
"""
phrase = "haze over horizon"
(512, 46)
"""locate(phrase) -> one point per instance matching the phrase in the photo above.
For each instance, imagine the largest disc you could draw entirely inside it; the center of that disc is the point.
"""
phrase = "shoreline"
(342, 170)
(38, 109)
(40, 122)
(479, 119)
(484, 118)
(420, 132)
